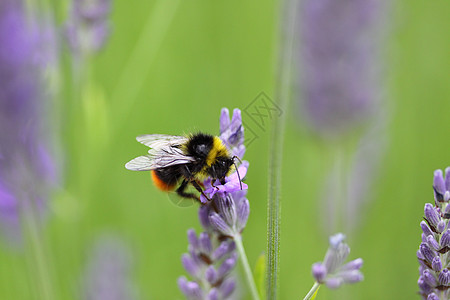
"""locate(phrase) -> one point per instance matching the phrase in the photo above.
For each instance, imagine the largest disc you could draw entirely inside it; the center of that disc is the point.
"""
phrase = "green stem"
(247, 269)
(312, 291)
(38, 254)
(282, 94)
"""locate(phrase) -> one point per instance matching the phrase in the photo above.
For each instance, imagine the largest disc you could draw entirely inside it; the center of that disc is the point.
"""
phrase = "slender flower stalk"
(434, 279)
(282, 94)
(332, 271)
(213, 254)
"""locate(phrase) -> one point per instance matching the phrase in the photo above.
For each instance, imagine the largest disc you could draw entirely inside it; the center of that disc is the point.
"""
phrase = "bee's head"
(220, 168)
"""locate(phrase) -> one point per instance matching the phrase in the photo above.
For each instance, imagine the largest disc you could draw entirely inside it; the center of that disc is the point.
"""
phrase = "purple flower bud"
(224, 119)
(429, 278)
(436, 264)
(221, 251)
(427, 252)
(183, 285)
(205, 243)
(227, 209)
(319, 272)
(227, 265)
(432, 242)
(192, 238)
(213, 294)
(433, 296)
(431, 215)
(447, 179)
(420, 255)
(445, 239)
(425, 287)
(447, 196)
(220, 225)
(352, 276)
(334, 282)
(227, 287)
(444, 277)
(203, 215)
(243, 211)
(441, 226)
(438, 182)
(211, 275)
(336, 240)
(195, 292)
(425, 228)
(190, 265)
(355, 264)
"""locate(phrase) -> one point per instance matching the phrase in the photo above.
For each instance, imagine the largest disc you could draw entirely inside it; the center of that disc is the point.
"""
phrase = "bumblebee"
(186, 159)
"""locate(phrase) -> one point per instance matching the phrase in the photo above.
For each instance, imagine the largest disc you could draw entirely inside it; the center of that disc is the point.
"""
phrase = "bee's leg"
(181, 191)
(212, 184)
(198, 188)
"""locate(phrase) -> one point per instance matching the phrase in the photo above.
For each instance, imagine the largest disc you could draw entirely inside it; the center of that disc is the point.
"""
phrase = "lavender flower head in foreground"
(434, 279)
(26, 169)
(332, 271)
(212, 254)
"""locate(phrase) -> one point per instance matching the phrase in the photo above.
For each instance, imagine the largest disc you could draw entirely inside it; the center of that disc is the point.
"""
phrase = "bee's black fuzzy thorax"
(199, 146)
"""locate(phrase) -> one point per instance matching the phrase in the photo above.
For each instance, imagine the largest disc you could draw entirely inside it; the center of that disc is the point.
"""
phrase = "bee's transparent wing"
(165, 156)
(159, 141)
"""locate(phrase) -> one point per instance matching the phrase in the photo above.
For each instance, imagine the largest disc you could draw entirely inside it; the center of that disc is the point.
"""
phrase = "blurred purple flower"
(340, 63)
(434, 277)
(88, 26)
(27, 171)
(332, 271)
(108, 272)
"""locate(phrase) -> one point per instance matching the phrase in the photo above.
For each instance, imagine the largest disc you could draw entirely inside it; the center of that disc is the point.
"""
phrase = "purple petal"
(243, 211)
(319, 272)
(224, 120)
(227, 287)
(439, 182)
(220, 225)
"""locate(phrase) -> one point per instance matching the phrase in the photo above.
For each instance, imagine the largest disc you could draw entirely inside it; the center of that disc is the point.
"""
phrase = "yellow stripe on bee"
(218, 149)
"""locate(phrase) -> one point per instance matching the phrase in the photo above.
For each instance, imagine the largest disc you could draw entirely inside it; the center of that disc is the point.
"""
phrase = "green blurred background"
(196, 57)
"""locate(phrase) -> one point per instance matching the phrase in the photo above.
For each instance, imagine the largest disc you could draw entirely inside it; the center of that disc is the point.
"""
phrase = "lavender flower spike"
(213, 255)
(434, 275)
(332, 271)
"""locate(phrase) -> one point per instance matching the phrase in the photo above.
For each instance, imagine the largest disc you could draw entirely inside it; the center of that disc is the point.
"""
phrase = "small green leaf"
(315, 294)
(259, 274)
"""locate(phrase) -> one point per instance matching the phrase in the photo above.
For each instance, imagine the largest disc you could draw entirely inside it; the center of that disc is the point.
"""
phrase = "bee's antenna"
(237, 171)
